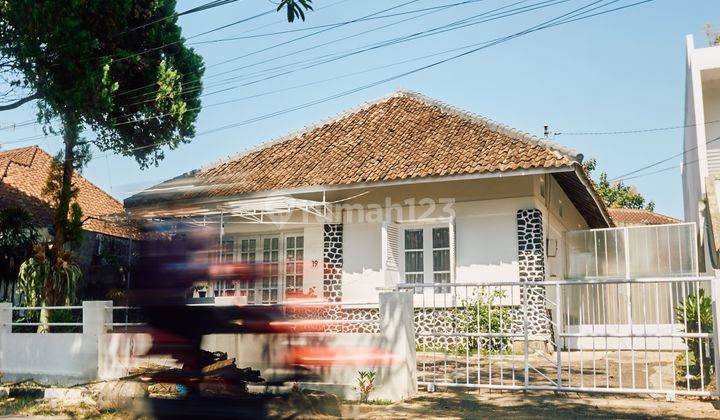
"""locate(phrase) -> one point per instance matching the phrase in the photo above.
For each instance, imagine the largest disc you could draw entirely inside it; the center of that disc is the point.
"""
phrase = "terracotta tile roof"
(402, 136)
(23, 174)
(629, 217)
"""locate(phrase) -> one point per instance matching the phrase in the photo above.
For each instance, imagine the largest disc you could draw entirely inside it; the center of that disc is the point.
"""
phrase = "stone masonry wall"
(332, 262)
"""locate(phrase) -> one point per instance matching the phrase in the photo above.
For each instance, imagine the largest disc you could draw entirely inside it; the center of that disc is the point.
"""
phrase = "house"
(701, 147)
(639, 217)
(106, 243)
(404, 189)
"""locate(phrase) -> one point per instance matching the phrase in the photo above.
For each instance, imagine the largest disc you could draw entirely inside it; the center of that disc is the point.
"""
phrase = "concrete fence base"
(99, 353)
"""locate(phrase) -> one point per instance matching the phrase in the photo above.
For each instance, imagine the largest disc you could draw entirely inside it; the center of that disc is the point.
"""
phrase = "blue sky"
(618, 71)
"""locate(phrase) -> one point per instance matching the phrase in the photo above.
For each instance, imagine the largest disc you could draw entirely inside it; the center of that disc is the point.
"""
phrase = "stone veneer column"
(332, 262)
(531, 261)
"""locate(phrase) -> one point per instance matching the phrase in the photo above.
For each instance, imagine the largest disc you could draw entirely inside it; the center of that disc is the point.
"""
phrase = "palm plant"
(695, 312)
(17, 238)
(43, 281)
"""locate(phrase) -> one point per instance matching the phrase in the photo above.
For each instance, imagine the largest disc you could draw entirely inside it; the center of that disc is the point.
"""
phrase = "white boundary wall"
(98, 353)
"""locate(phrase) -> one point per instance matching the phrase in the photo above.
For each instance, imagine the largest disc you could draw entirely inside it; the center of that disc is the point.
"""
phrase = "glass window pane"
(290, 255)
(266, 243)
(413, 239)
(290, 242)
(299, 254)
(299, 242)
(275, 243)
(414, 261)
(441, 260)
(441, 237)
(441, 278)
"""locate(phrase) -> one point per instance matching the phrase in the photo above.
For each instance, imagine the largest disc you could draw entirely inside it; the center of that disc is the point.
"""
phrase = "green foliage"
(366, 383)
(118, 66)
(47, 281)
(616, 194)
(713, 36)
(53, 190)
(294, 8)
(695, 312)
(482, 313)
(17, 238)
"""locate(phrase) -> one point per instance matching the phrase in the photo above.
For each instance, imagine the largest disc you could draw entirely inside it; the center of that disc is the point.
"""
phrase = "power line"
(569, 17)
(572, 16)
(652, 165)
(288, 31)
(636, 131)
(327, 58)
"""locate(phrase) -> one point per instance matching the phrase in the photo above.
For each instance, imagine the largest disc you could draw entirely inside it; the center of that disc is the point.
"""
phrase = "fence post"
(96, 322)
(558, 332)
(5, 317)
(5, 325)
(398, 379)
(97, 316)
(715, 301)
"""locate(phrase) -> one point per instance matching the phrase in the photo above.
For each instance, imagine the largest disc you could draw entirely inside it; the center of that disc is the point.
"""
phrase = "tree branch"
(19, 102)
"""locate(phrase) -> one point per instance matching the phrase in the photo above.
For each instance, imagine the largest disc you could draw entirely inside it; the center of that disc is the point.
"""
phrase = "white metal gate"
(610, 335)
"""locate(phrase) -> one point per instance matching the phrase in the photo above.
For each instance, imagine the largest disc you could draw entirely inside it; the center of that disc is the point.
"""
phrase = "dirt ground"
(451, 405)
(517, 405)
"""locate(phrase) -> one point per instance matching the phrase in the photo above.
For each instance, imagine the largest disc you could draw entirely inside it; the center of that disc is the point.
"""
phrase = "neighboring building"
(106, 243)
(404, 189)
(639, 217)
(701, 158)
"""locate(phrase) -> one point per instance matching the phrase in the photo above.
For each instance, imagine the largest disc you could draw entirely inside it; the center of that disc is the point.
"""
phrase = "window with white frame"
(441, 257)
(248, 255)
(427, 256)
(294, 254)
(271, 270)
(414, 256)
(225, 287)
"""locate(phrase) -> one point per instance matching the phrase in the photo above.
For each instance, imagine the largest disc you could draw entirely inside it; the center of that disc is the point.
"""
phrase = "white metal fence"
(611, 335)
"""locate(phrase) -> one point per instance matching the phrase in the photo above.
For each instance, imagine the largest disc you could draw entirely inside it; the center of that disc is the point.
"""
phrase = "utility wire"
(257, 51)
(573, 16)
(636, 131)
(317, 61)
(418, 35)
(654, 164)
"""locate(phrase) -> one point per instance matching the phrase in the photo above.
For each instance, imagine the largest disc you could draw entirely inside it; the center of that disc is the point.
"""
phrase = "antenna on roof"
(546, 131)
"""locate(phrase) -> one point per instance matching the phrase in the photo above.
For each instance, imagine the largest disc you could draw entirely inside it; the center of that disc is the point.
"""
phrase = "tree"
(17, 238)
(713, 36)
(115, 69)
(616, 194)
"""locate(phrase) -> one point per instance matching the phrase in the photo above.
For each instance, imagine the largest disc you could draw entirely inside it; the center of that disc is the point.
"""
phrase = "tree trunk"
(44, 326)
(71, 132)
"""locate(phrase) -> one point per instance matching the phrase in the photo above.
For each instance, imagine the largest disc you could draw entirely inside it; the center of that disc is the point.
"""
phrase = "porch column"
(332, 262)
(531, 261)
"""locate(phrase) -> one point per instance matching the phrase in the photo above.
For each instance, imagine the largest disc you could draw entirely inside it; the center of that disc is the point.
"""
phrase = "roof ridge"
(32, 160)
(11, 160)
(500, 127)
(560, 150)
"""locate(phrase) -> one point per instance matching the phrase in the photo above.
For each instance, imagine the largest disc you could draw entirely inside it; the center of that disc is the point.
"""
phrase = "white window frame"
(227, 254)
(260, 291)
(428, 269)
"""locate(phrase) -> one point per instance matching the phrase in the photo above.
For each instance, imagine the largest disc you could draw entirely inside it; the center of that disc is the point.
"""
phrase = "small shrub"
(695, 312)
(366, 384)
(482, 314)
